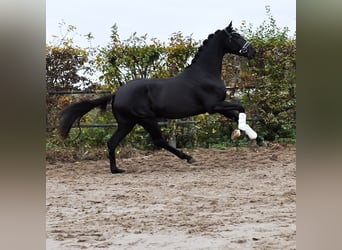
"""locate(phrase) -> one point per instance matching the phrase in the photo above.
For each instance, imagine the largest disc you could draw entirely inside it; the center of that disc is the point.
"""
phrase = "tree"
(68, 66)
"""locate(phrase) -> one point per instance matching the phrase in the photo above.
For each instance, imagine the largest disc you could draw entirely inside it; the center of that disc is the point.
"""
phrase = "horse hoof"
(117, 171)
(191, 160)
(235, 134)
(260, 142)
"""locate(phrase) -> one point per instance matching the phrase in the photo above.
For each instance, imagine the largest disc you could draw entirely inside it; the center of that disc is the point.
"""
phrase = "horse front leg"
(236, 112)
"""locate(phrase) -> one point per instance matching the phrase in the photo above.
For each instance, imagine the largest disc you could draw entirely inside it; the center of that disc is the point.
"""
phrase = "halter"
(244, 47)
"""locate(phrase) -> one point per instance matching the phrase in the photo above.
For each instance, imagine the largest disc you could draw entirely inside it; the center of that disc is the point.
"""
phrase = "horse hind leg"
(151, 126)
(120, 133)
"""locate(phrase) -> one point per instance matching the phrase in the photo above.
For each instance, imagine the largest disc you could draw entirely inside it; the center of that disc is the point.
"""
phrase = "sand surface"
(237, 198)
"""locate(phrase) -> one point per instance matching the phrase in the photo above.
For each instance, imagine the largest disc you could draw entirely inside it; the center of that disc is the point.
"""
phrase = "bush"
(274, 75)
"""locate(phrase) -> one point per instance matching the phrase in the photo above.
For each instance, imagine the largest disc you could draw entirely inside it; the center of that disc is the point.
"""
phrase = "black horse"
(198, 89)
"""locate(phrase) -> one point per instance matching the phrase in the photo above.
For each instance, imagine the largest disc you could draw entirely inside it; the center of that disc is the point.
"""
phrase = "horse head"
(236, 44)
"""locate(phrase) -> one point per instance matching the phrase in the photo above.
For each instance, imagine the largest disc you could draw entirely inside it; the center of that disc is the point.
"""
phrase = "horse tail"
(75, 112)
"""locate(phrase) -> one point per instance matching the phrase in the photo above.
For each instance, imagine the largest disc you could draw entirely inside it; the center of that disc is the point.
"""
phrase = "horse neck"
(209, 60)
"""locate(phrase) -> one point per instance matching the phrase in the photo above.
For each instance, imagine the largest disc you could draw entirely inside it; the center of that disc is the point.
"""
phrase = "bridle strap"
(244, 47)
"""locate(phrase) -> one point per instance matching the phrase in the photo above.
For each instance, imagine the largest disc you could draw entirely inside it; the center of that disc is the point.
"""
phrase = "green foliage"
(178, 52)
(68, 66)
(268, 33)
(138, 57)
(274, 72)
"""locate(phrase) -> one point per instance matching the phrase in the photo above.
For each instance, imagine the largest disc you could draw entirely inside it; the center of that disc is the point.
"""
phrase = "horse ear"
(230, 25)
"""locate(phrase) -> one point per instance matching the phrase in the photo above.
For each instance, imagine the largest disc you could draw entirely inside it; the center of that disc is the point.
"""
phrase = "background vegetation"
(266, 85)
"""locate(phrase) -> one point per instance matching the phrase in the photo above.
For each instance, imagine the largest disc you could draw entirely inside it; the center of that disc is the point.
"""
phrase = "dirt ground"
(237, 198)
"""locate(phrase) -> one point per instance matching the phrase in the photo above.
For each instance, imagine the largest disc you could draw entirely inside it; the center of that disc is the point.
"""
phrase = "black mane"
(200, 49)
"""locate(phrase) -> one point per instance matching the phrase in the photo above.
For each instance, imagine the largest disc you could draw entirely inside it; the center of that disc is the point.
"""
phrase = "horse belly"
(178, 106)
